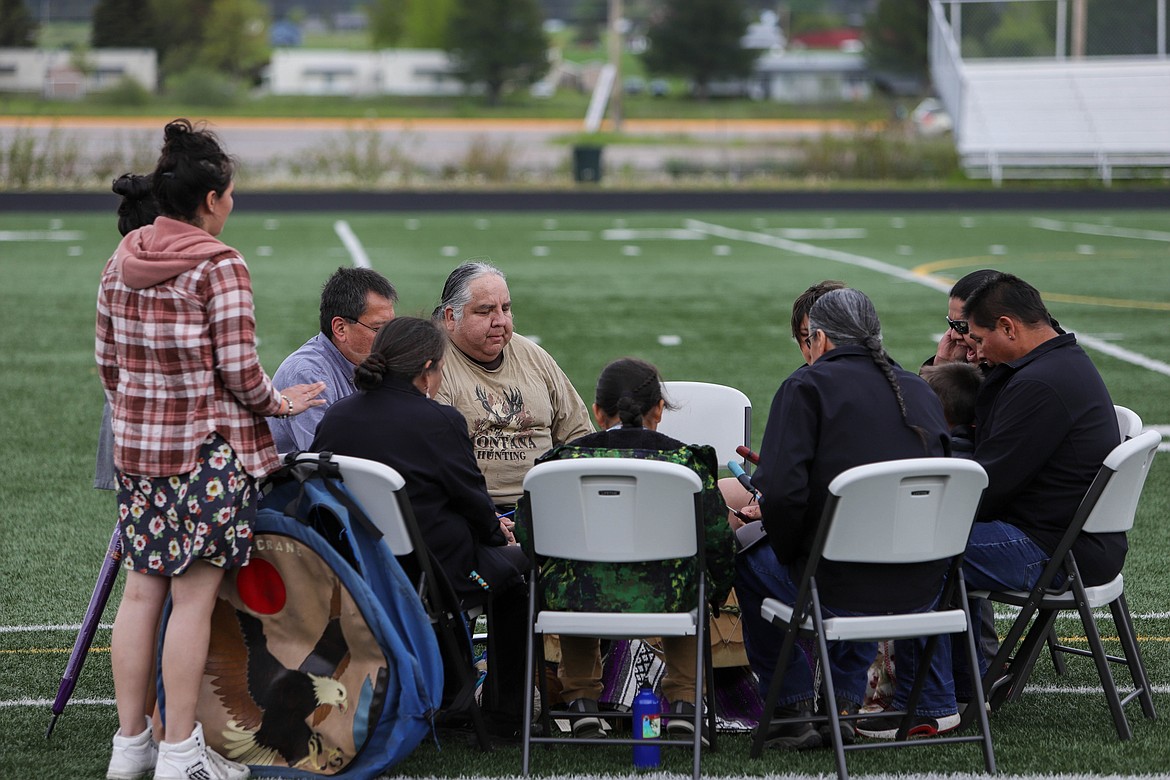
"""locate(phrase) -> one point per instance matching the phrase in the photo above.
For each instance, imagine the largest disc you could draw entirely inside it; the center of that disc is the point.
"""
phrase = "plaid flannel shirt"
(178, 361)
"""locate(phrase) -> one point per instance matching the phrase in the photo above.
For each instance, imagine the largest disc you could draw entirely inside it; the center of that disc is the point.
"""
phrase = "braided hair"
(847, 316)
(627, 389)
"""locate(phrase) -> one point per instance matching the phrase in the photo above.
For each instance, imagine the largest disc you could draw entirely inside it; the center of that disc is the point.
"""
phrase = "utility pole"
(1079, 23)
(617, 36)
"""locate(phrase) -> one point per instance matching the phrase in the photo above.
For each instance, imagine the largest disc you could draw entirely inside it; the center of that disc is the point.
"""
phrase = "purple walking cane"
(93, 615)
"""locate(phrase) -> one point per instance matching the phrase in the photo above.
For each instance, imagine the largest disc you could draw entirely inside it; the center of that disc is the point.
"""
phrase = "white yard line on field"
(352, 244)
(848, 258)
(41, 235)
(47, 627)
(1090, 229)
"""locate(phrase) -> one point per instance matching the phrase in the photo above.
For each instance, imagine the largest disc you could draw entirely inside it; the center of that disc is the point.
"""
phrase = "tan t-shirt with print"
(515, 413)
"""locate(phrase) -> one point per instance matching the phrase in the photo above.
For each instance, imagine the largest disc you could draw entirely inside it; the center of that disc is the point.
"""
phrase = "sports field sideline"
(704, 295)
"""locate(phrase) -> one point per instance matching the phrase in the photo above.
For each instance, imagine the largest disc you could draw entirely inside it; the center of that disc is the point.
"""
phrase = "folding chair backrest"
(1128, 422)
(903, 511)
(1129, 462)
(706, 413)
(613, 509)
(375, 486)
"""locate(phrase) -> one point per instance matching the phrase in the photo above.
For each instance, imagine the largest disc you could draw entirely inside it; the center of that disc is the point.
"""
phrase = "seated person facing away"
(394, 420)
(517, 401)
(851, 406)
(956, 385)
(628, 408)
(355, 303)
(733, 492)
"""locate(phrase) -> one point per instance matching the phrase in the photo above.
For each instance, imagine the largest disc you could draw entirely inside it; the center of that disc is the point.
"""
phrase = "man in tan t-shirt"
(518, 405)
(517, 400)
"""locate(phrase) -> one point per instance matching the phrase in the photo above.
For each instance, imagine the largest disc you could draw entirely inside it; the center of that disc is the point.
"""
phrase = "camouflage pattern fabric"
(639, 587)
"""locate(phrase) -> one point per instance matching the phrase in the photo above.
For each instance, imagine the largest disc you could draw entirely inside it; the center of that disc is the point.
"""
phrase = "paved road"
(532, 144)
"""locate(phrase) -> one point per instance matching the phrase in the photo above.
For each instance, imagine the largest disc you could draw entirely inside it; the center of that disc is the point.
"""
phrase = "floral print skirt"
(168, 522)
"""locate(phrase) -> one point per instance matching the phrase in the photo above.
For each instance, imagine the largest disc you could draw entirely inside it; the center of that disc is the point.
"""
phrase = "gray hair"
(847, 316)
(457, 288)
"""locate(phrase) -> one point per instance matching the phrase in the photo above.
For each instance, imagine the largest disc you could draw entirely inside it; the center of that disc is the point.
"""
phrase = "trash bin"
(587, 163)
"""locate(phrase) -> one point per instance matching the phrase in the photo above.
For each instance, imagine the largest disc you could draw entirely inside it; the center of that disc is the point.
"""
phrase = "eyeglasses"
(367, 327)
(959, 326)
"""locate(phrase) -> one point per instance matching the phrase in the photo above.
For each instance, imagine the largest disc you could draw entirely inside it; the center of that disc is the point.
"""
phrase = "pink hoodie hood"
(154, 253)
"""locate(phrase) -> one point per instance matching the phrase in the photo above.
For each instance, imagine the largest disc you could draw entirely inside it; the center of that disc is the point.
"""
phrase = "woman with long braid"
(851, 406)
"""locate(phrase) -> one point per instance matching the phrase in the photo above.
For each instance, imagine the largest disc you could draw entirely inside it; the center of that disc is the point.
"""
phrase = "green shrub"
(127, 92)
(199, 86)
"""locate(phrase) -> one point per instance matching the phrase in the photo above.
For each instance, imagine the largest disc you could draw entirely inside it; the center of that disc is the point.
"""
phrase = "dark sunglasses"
(959, 326)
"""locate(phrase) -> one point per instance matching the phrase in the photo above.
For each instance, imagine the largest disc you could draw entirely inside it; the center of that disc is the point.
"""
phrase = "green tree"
(387, 20)
(699, 39)
(17, 28)
(180, 38)
(427, 22)
(415, 24)
(235, 38)
(896, 37)
(1024, 30)
(122, 23)
(496, 43)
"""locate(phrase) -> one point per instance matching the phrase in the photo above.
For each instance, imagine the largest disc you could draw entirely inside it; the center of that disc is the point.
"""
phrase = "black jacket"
(1043, 425)
(426, 442)
(838, 413)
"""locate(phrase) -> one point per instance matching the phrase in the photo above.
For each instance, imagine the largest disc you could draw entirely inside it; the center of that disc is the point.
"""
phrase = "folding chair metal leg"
(529, 660)
(701, 656)
(1133, 655)
(1008, 674)
(787, 648)
(980, 703)
(1054, 651)
(1101, 659)
(467, 681)
(834, 716)
(712, 714)
(1028, 654)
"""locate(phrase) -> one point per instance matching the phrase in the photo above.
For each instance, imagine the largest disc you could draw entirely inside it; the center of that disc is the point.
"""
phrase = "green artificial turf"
(590, 296)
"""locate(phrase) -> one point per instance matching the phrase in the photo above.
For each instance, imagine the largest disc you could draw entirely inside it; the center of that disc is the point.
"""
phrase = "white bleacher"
(1036, 118)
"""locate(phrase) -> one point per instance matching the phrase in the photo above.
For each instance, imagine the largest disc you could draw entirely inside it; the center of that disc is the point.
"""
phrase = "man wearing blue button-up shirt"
(355, 304)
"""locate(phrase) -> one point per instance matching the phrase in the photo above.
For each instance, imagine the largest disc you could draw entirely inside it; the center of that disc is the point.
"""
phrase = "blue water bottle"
(647, 725)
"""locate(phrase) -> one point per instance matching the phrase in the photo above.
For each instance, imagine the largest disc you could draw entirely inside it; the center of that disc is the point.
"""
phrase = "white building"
(362, 73)
(61, 73)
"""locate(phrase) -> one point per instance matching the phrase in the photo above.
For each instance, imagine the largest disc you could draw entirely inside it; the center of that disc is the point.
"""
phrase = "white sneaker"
(132, 756)
(191, 759)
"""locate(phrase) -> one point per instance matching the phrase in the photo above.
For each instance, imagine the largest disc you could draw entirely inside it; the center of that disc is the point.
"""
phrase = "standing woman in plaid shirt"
(176, 350)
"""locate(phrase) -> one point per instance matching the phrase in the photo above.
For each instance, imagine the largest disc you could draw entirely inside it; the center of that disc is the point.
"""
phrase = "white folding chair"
(706, 413)
(380, 490)
(1109, 506)
(1129, 425)
(1128, 422)
(617, 510)
(889, 513)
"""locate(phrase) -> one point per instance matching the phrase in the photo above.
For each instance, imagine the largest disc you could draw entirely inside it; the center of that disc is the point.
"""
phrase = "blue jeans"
(999, 557)
(1002, 557)
(758, 575)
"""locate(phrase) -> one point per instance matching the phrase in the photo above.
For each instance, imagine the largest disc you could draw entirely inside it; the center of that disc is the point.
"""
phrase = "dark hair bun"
(132, 186)
(371, 372)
